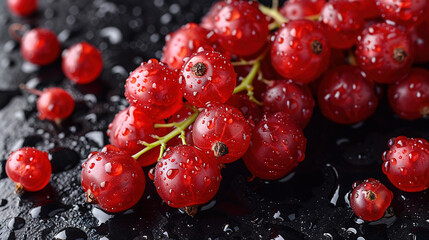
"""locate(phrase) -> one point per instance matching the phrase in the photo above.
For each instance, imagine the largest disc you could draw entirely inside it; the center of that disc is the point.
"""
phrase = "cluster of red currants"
(239, 85)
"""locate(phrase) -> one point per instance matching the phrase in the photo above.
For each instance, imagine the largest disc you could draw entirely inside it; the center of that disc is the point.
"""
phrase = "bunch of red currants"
(241, 85)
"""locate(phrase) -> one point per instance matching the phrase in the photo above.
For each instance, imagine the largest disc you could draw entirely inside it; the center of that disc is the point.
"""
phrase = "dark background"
(310, 204)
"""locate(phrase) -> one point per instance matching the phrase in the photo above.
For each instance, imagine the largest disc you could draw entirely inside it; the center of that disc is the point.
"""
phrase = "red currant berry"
(112, 179)
(276, 148)
(131, 126)
(409, 97)
(343, 23)
(299, 9)
(221, 131)
(370, 199)
(183, 42)
(384, 53)
(345, 96)
(208, 20)
(82, 63)
(22, 8)
(55, 104)
(154, 89)
(300, 51)
(406, 163)
(242, 27)
(291, 98)
(209, 76)
(404, 12)
(420, 37)
(367, 8)
(40, 46)
(185, 177)
(250, 110)
(29, 168)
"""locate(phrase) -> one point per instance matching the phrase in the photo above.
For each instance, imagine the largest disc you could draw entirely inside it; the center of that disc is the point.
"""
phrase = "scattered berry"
(40, 46)
(154, 89)
(112, 179)
(22, 8)
(55, 104)
(370, 199)
(82, 63)
(208, 76)
(29, 168)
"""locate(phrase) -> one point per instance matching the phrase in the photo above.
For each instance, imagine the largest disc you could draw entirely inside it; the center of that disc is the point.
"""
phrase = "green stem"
(273, 13)
(247, 81)
(180, 127)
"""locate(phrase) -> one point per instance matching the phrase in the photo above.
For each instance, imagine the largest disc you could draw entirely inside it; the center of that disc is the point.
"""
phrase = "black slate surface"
(310, 204)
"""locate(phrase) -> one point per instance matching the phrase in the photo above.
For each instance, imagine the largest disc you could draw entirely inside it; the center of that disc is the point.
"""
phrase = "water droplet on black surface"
(3, 202)
(6, 96)
(48, 210)
(71, 234)
(63, 159)
(16, 223)
(3, 169)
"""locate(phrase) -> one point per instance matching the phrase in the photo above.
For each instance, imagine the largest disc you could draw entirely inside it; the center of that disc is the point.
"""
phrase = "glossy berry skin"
(367, 8)
(300, 51)
(370, 199)
(409, 97)
(221, 131)
(40, 46)
(241, 27)
(155, 89)
(22, 8)
(55, 104)
(112, 179)
(185, 177)
(299, 9)
(208, 20)
(420, 38)
(29, 168)
(277, 147)
(291, 98)
(82, 63)
(404, 12)
(250, 110)
(343, 23)
(406, 163)
(131, 126)
(384, 53)
(345, 96)
(183, 43)
(208, 76)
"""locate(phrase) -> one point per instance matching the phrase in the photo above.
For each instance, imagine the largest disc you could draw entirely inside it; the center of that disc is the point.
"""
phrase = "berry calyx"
(22, 8)
(185, 178)
(155, 89)
(29, 168)
(112, 179)
(406, 163)
(82, 63)
(370, 199)
(40, 46)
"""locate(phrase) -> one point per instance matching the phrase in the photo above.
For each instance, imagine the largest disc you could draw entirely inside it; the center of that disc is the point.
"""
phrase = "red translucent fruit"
(55, 104)
(207, 21)
(112, 179)
(276, 148)
(300, 51)
(40, 46)
(343, 23)
(82, 63)
(241, 26)
(177, 117)
(208, 76)
(409, 97)
(404, 12)
(291, 98)
(131, 126)
(345, 96)
(384, 53)
(155, 89)
(183, 42)
(186, 177)
(221, 131)
(420, 37)
(29, 168)
(367, 8)
(22, 8)
(406, 163)
(370, 199)
(250, 110)
(299, 9)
